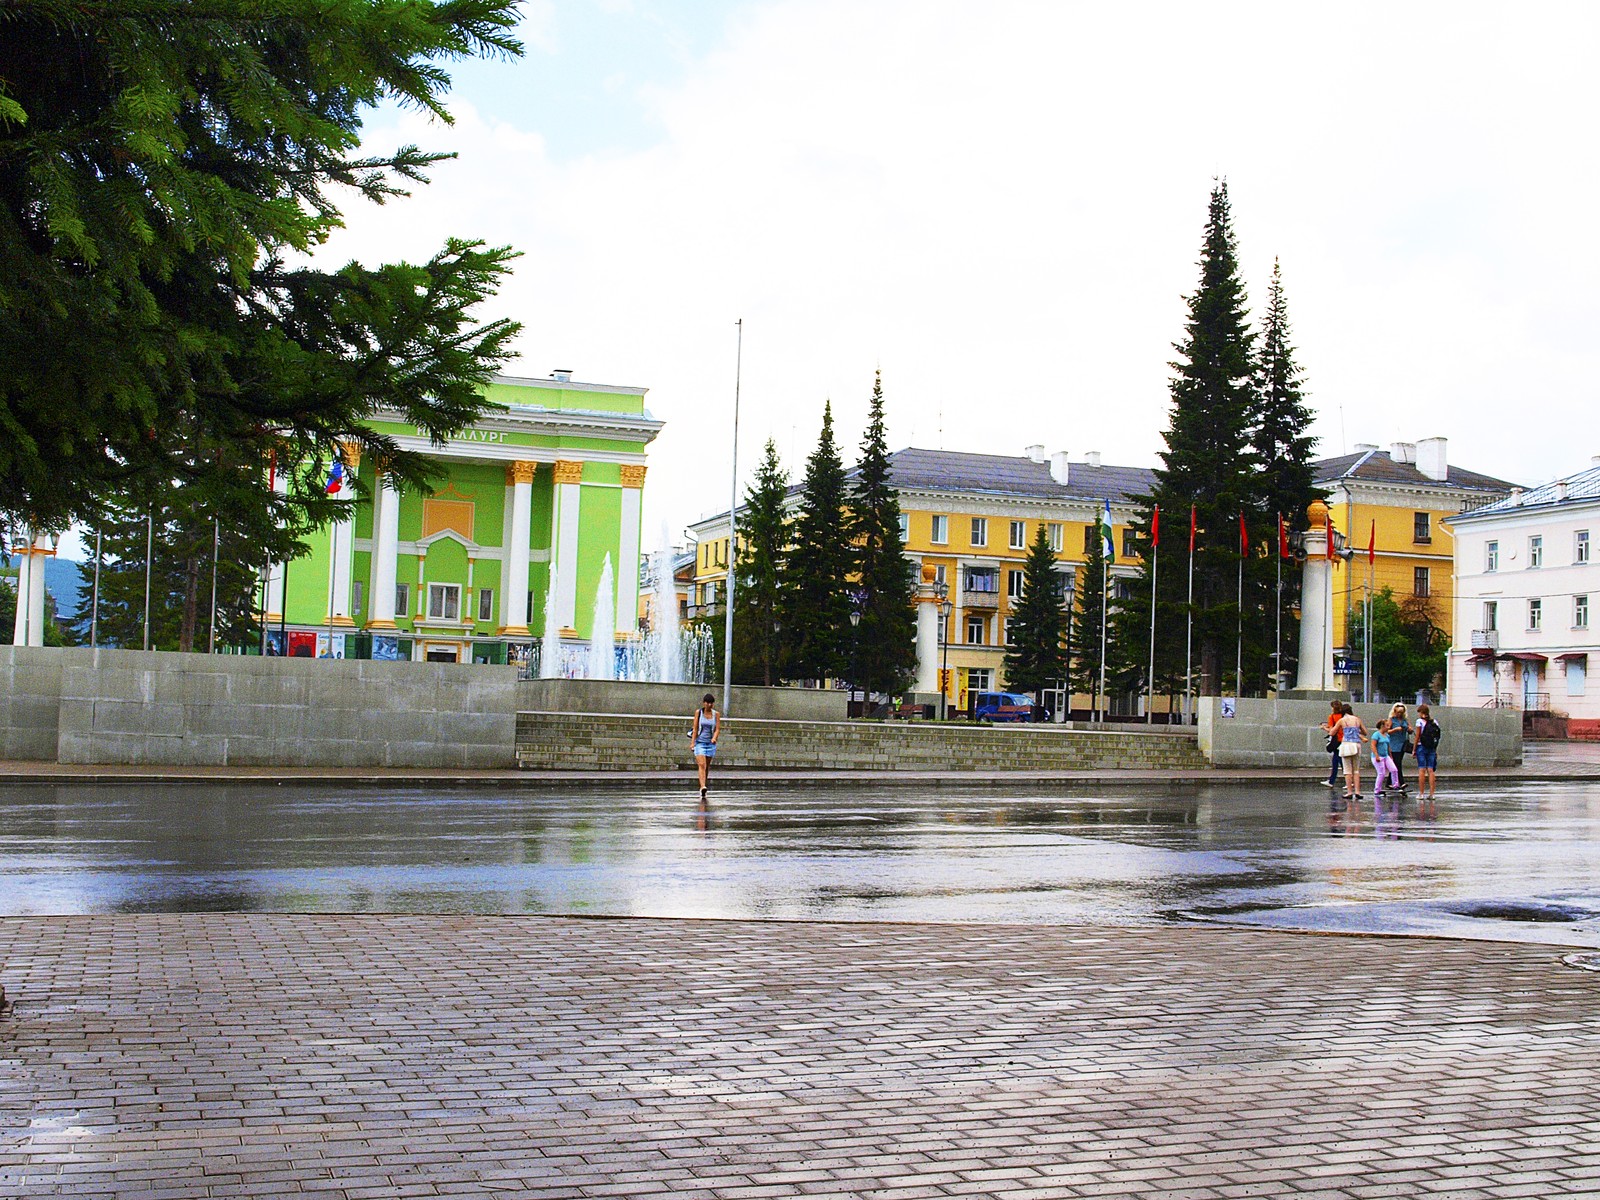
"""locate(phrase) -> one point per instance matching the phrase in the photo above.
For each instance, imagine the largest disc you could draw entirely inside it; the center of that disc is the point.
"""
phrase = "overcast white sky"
(1001, 205)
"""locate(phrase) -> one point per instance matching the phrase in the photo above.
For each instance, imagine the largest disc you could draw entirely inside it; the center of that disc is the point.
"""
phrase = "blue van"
(1005, 706)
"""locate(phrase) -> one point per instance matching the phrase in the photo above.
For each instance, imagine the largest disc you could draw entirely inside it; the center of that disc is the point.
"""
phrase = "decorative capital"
(1317, 514)
(520, 472)
(568, 471)
(350, 454)
(633, 475)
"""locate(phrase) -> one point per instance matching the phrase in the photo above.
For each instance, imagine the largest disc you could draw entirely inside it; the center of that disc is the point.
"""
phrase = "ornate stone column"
(341, 544)
(628, 548)
(40, 550)
(564, 542)
(514, 580)
(385, 554)
(928, 631)
(22, 634)
(1316, 606)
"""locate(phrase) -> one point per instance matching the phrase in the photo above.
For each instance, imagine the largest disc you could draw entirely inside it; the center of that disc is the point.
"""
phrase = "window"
(485, 604)
(1055, 536)
(1535, 552)
(1019, 535)
(1580, 546)
(1130, 544)
(1421, 528)
(1577, 669)
(1580, 612)
(975, 627)
(1090, 532)
(1491, 615)
(402, 599)
(1535, 615)
(1121, 589)
(444, 601)
(939, 576)
(1491, 556)
(1005, 631)
(905, 526)
(1014, 584)
(980, 531)
(940, 533)
(359, 591)
(980, 679)
(1419, 580)
(981, 579)
(1485, 679)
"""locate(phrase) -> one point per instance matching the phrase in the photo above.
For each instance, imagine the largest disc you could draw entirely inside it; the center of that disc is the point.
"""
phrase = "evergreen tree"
(817, 601)
(884, 654)
(760, 651)
(161, 163)
(1129, 667)
(1084, 647)
(1210, 461)
(1408, 647)
(1038, 627)
(1283, 446)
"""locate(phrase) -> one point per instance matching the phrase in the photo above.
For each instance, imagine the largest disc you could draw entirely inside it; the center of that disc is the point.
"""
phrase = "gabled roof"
(1003, 475)
(1583, 486)
(1375, 466)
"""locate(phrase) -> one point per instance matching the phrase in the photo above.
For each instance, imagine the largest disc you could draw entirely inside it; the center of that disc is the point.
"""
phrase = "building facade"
(1526, 584)
(1399, 499)
(968, 520)
(533, 499)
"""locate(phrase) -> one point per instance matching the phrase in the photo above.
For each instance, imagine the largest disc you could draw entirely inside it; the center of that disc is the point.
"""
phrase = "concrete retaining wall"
(30, 700)
(671, 699)
(593, 741)
(1287, 733)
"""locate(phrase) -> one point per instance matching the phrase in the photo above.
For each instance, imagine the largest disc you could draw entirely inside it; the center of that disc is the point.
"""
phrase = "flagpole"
(149, 550)
(1238, 645)
(1155, 564)
(94, 608)
(733, 504)
(1188, 633)
(1277, 652)
(1105, 577)
(216, 548)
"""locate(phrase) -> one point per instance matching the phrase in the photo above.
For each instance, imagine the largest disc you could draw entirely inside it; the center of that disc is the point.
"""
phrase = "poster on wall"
(336, 646)
(302, 645)
(275, 643)
(386, 648)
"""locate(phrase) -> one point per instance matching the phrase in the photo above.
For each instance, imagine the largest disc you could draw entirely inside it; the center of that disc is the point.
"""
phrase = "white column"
(568, 479)
(275, 579)
(37, 553)
(23, 553)
(385, 555)
(341, 546)
(514, 577)
(927, 633)
(1316, 610)
(628, 566)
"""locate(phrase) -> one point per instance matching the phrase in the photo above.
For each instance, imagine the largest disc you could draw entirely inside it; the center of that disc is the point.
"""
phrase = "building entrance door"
(441, 652)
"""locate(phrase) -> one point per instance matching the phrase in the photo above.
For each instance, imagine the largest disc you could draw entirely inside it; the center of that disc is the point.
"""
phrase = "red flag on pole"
(1372, 543)
(1283, 538)
(1333, 554)
(1191, 529)
(1155, 526)
(1244, 537)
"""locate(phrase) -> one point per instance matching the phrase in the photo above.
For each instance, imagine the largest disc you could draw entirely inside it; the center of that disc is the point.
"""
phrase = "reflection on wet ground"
(1494, 859)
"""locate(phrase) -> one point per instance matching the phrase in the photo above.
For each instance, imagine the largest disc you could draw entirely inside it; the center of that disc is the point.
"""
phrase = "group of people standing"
(1389, 743)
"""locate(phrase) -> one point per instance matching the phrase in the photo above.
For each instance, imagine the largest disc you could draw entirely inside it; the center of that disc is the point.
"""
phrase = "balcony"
(979, 598)
(1486, 639)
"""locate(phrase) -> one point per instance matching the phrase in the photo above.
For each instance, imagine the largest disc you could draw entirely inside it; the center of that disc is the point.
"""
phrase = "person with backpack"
(1428, 734)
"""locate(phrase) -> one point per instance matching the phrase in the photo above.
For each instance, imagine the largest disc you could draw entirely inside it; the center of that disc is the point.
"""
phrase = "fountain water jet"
(602, 634)
(550, 647)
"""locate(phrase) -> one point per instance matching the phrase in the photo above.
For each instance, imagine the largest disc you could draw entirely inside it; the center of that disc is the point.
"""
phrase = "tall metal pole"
(94, 603)
(149, 550)
(733, 503)
(1155, 564)
(1188, 633)
(1277, 650)
(216, 549)
(1105, 586)
(1238, 645)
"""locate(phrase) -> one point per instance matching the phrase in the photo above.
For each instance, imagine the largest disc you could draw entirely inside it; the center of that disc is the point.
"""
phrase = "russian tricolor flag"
(335, 478)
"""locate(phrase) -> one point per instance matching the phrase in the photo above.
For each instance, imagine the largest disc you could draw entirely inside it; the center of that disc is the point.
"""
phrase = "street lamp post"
(945, 609)
(855, 646)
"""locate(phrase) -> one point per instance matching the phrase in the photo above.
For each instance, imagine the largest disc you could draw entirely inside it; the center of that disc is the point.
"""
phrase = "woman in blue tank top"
(704, 730)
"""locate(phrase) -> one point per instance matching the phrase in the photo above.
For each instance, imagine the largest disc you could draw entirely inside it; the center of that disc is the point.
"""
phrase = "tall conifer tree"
(817, 602)
(884, 650)
(760, 638)
(1084, 650)
(1038, 626)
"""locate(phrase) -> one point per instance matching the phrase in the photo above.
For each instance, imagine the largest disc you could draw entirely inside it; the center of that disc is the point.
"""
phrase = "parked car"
(1007, 706)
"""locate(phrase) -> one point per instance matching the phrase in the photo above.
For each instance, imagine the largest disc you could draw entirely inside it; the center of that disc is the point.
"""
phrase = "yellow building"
(1397, 500)
(969, 518)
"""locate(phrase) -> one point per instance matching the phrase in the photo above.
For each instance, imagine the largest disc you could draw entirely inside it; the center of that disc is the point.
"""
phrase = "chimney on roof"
(562, 374)
(1561, 489)
(1035, 453)
(1058, 467)
(1403, 452)
(1092, 458)
(1365, 447)
(1431, 458)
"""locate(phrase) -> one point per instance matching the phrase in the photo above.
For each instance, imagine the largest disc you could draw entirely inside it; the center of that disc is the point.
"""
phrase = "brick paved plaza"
(234, 1055)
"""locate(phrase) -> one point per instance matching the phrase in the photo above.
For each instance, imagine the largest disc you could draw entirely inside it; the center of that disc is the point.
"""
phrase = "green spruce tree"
(1088, 620)
(884, 651)
(760, 649)
(1038, 627)
(817, 601)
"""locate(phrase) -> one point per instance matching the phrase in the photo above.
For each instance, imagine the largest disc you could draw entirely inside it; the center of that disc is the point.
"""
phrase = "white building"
(1526, 581)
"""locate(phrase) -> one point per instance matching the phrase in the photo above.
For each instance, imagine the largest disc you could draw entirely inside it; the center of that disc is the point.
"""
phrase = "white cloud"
(1002, 207)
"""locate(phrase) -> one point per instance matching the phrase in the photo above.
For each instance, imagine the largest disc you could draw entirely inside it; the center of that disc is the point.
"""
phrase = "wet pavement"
(1496, 858)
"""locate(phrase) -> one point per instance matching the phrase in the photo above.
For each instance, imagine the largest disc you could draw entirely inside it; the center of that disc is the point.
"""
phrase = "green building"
(550, 474)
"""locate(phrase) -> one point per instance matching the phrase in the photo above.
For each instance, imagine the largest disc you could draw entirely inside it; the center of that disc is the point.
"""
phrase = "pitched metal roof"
(1584, 485)
(1375, 466)
(1003, 475)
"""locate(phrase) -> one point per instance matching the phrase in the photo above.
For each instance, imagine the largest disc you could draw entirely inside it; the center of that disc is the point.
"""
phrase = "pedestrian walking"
(1399, 743)
(704, 729)
(1330, 730)
(1428, 734)
(1381, 762)
(1352, 732)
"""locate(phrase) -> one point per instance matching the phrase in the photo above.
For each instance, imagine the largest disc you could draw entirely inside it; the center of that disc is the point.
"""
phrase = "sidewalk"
(355, 1057)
